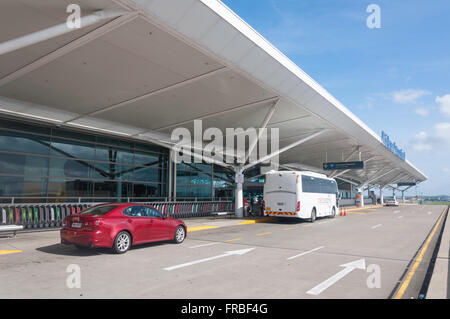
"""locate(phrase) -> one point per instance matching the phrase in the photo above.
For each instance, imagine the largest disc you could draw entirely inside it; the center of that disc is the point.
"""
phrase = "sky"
(395, 78)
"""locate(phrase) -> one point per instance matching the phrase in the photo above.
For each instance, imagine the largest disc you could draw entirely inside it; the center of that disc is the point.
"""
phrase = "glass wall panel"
(16, 186)
(74, 149)
(147, 159)
(147, 190)
(17, 164)
(193, 191)
(112, 154)
(69, 188)
(73, 164)
(69, 168)
(24, 142)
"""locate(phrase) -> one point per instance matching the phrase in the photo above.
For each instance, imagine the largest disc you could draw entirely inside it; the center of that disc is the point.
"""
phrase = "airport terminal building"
(86, 114)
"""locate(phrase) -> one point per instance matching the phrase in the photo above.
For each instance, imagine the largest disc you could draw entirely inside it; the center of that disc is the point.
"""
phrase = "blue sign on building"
(392, 147)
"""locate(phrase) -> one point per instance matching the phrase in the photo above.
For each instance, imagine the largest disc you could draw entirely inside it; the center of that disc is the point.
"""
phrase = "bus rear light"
(298, 206)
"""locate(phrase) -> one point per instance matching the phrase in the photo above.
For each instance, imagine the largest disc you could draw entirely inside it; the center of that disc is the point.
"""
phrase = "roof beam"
(218, 113)
(380, 176)
(262, 129)
(284, 149)
(153, 93)
(57, 30)
(88, 37)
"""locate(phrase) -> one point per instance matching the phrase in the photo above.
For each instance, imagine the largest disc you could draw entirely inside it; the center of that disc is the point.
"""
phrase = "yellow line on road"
(255, 221)
(197, 228)
(416, 264)
(289, 228)
(263, 234)
(234, 239)
(362, 208)
(5, 252)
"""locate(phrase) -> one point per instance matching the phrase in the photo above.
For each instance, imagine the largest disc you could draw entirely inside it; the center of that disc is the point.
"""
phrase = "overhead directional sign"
(406, 184)
(343, 165)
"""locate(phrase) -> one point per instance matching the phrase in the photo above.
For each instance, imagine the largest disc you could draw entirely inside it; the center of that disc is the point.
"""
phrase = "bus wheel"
(333, 212)
(313, 216)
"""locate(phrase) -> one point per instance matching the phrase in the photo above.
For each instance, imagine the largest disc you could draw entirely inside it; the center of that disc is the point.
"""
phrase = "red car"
(119, 226)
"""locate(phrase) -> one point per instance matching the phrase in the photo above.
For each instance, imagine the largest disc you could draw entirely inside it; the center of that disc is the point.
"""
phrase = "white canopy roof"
(153, 65)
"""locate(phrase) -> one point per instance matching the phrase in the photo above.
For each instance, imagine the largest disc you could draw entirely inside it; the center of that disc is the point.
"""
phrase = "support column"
(239, 194)
(361, 191)
(381, 195)
(403, 196)
(174, 196)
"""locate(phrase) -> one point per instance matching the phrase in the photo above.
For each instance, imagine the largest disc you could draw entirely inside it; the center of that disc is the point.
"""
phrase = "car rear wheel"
(180, 235)
(122, 242)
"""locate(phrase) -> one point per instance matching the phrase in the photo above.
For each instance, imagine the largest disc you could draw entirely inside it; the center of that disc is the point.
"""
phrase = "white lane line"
(204, 245)
(396, 211)
(429, 213)
(400, 217)
(376, 226)
(306, 252)
(226, 254)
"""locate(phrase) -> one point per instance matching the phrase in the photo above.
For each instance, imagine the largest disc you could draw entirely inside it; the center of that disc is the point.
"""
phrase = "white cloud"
(437, 139)
(408, 96)
(422, 112)
(442, 131)
(421, 142)
(444, 104)
(446, 170)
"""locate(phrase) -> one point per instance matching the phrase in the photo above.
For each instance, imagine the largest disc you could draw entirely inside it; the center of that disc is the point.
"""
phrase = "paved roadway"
(283, 259)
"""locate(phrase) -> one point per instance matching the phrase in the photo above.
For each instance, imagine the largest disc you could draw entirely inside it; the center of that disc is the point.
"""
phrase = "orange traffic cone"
(345, 211)
(341, 213)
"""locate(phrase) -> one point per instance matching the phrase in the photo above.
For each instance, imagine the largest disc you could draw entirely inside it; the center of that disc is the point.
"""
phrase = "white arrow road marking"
(228, 253)
(376, 226)
(349, 267)
(198, 246)
(306, 252)
(429, 213)
(400, 217)
(396, 211)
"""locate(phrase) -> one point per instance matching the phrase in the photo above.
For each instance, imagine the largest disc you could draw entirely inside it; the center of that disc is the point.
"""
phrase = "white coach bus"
(304, 195)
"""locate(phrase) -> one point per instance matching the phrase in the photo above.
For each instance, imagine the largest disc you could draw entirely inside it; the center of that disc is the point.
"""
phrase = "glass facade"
(52, 164)
(204, 181)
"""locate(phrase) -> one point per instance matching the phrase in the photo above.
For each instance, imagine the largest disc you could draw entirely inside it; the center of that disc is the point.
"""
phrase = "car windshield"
(99, 210)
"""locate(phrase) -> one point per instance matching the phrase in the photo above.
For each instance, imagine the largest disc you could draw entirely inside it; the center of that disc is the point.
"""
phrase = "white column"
(381, 195)
(239, 201)
(361, 191)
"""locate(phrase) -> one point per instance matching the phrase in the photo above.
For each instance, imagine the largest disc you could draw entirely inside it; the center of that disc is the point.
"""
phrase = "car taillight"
(298, 206)
(93, 223)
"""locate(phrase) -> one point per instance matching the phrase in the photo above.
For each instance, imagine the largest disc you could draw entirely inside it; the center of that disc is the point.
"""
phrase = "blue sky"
(396, 78)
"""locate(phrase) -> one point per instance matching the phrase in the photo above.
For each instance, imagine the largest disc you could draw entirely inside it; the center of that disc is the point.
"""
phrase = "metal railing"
(51, 215)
